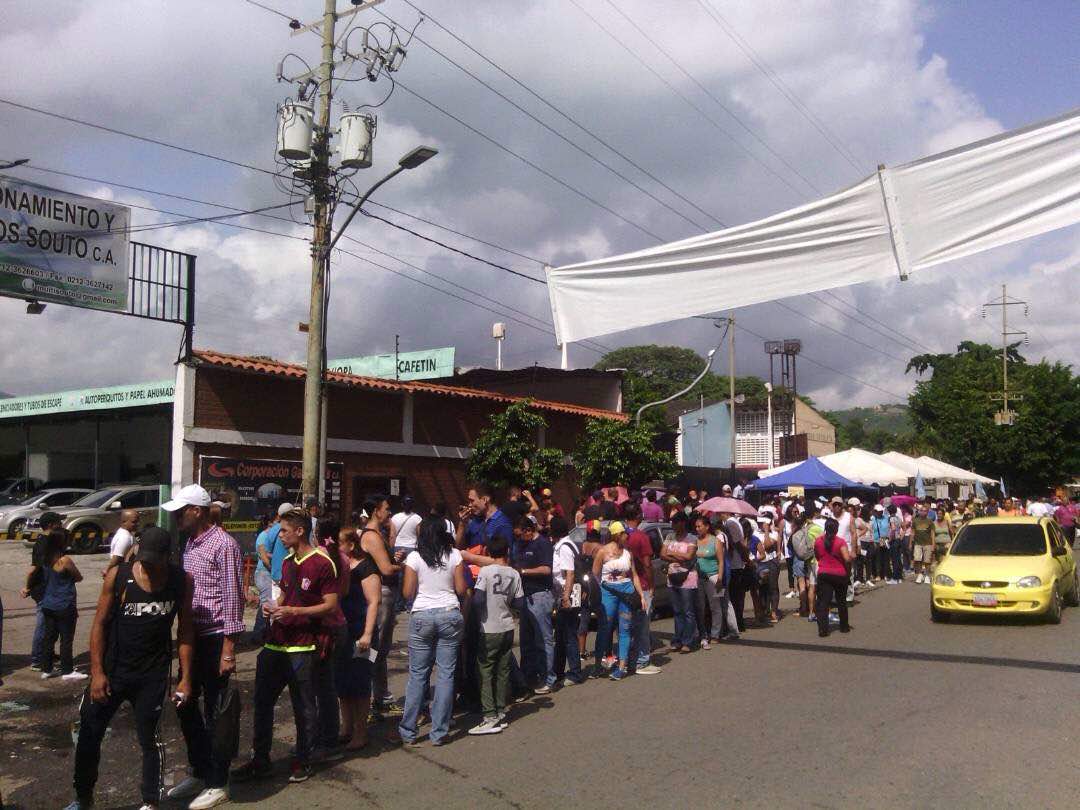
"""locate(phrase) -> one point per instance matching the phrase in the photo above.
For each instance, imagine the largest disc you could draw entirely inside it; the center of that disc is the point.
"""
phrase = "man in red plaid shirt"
(212, 558)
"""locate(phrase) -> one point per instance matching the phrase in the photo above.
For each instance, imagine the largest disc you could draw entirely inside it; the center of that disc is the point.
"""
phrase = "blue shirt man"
(268, 540)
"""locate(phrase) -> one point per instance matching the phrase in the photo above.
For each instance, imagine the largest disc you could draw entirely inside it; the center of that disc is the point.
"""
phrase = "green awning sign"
(423, 365)
(89, 399)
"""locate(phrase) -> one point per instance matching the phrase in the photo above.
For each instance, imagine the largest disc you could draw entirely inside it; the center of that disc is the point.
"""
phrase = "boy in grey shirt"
(501, 588)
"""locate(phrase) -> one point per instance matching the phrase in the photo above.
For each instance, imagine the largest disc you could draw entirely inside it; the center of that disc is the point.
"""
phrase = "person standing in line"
(802, 552)
(533, 561)
(943, 535)
(736, 555)
(679, 552)
(619, 583)
(768, 564)
(122, 540)
(834, 560)
(709, 555)
(352, 661)
(568, 600)
(35, 584)
(651, 511)
(922, 528)
(212, 558)
(403, 527)
(879, 534)
(314, 510)
(309, 594)
(333, 637)
(130, 659)
(498, 591)
(641, 551)
(590, 589)
(59, 606)
(374, 543)
(435, 583)
(268, 571)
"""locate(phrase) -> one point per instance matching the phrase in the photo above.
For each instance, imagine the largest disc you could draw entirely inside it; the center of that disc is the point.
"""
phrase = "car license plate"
(984, 600)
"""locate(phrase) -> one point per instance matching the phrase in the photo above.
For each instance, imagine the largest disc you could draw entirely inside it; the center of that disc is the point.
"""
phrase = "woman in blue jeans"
(619, 584)
(58, 607)
(434, 582)
(679, 552)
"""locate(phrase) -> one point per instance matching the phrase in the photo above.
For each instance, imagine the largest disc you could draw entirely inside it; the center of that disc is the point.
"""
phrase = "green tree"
(954, 415)
(506, 452)
(611, 452)
(655, 372)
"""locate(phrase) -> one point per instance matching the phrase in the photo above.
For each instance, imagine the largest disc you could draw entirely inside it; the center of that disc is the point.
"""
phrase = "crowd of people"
(329, 596)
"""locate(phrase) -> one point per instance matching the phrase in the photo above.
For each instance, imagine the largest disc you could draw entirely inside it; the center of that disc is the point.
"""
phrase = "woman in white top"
(435, 583)
(768, 565)
(620, 596)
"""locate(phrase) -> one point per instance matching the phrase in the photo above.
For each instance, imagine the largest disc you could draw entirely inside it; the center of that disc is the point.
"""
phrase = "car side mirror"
(115, 505)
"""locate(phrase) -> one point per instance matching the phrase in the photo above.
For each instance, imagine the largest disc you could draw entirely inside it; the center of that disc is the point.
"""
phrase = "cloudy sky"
(762, 106)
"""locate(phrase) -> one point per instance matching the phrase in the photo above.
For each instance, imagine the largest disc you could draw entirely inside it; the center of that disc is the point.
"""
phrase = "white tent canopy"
(912, 217)
(950, 471)
(857, 465)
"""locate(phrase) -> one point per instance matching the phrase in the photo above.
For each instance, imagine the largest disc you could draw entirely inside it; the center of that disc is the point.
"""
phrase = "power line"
(711, 95)
(896, 396)
(881, 323)
(852, 318)
(838, 332)
(113, 131)
(685, 98)
(528, 162)
(555, 109)
(770, 74)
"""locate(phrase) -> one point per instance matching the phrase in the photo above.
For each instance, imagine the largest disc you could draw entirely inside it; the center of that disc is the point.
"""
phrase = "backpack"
(801, 545)
(582, 568)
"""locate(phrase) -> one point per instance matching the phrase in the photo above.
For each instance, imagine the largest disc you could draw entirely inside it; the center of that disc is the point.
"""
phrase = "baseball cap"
(726, 488)
(836, 499)
(782, 493)
(191, 495)
(545, 492)
(879, 508)
(285, 507)
(615, 527)
(853, 501)
(766, 518)
(49, 519)
(154, 546)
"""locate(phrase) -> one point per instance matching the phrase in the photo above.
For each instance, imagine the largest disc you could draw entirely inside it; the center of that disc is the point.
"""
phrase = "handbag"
(226, 742)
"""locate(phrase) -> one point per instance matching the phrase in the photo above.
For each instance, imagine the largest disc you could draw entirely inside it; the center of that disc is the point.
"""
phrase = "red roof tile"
(264, 365)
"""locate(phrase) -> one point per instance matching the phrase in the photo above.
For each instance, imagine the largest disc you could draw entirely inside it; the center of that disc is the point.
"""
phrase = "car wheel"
(86, 539)
(1053, 613)
(14, 528)
(1073, 599)
(938, 616)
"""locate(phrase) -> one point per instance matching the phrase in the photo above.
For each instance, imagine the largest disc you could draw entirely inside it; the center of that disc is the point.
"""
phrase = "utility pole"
(731, 388)
(1005, 417)
(316, 347)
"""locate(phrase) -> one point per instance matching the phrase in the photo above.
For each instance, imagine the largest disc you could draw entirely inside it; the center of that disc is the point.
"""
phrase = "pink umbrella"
(903, 500)
(729, 505)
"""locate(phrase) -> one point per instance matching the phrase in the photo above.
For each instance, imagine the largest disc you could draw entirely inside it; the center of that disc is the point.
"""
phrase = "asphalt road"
(898, 713)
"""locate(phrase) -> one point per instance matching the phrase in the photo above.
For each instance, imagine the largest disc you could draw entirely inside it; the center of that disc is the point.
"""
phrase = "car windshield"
(1000, 540)
(95, 499)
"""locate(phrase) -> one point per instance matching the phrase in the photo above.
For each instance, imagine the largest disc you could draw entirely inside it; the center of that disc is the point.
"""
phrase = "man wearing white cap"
(212, 558)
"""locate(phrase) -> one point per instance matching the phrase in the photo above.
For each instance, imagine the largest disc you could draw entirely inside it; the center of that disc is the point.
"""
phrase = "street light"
(416, 157)
(690, 387)
(768, 395)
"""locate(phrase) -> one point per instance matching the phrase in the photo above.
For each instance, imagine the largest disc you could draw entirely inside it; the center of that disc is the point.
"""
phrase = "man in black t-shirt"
(130, 659)
(533, 560)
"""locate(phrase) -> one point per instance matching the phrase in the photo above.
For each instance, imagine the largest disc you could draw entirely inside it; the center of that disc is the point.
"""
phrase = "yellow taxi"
(1013, 565)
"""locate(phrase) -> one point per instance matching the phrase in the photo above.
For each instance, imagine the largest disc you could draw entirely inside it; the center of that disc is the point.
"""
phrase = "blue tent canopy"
(811, 474)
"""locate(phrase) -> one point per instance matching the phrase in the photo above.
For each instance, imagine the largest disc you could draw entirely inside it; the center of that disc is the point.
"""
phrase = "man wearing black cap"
(130, 659)
(35, 584)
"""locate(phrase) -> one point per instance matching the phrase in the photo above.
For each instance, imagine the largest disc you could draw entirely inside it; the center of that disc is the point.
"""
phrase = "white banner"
(980, 196)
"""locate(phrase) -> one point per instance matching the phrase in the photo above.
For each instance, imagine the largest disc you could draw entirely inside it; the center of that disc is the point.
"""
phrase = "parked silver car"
(13, 517)
(91, 521)
(656, 532)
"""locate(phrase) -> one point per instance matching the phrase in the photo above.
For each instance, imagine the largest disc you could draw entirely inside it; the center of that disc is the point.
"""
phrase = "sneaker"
(439, 742)
(74, 675)
(732, 637)
(892, 582)
(919, 579)
(50, 674)
(811, 618)
(251, 769)
(704, 644)
(79, 804)
(299, 772)
(489, 725)
(791, 595)
(211, 797)
(37, 668)
(191, 786)
(857, 583)
(542, 689)
(608, 662)
(501, 721)
(148, 806)
(325, 753)
(649, 669)
(568, 681)
(616, 674)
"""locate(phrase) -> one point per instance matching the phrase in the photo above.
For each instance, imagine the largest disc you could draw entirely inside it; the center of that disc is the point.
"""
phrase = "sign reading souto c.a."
(423, 365)
(62, 248)
(89, 399)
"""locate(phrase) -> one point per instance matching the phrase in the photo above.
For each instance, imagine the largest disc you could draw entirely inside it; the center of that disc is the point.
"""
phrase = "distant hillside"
(890, 418)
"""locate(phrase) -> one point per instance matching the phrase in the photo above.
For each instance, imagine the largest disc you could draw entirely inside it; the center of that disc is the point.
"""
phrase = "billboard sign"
(62, 248)
(89, 399)
(253, 487)
(423, 365)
